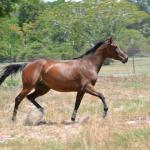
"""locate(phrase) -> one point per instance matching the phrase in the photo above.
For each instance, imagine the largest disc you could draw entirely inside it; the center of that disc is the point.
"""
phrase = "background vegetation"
(31, 29)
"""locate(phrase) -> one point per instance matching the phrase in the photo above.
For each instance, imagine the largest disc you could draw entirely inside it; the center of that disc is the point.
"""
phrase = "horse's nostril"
(125, 60)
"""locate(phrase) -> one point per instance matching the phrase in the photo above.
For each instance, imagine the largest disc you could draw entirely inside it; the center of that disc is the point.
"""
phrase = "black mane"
(92, 50)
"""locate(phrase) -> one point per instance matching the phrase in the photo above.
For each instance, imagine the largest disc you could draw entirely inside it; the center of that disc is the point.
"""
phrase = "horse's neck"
(98, 59)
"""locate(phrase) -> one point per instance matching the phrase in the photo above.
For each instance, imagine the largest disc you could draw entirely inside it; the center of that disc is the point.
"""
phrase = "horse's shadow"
(83, 120)
(51, 123)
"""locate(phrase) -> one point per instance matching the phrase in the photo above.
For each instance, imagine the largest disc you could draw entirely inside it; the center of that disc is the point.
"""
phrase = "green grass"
(125, 140)
(133, 106)
(88, 141)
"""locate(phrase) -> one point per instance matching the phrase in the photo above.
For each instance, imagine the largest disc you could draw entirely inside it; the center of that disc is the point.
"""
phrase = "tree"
(65, 29)
(6, 6)
(29, 11)
(10, 39)
(143, 4)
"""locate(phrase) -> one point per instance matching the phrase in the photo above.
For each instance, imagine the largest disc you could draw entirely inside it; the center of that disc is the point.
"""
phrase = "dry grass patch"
(126, 127)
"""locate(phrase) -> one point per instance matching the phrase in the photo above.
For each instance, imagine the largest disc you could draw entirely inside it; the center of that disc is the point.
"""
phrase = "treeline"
(31, 29)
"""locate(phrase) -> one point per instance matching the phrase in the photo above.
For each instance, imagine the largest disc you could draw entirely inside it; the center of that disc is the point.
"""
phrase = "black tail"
(11, 69)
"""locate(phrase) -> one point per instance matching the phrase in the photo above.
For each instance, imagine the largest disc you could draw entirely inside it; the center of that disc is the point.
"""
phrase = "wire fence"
(141, 66)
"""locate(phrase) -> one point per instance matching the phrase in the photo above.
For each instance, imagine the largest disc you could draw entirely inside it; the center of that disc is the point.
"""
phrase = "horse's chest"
(89, 77)
(93, 81)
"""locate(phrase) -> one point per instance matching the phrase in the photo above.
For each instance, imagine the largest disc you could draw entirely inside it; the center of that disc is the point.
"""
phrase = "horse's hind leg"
(40, 90)
(18, 100)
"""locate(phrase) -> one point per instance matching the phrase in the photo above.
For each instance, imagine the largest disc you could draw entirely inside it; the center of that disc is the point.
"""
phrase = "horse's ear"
(110, 40)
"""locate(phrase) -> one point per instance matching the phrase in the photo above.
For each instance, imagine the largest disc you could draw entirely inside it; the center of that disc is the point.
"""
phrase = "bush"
(108, 61)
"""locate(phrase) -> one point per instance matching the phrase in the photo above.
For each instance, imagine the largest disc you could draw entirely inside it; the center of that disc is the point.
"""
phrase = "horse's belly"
(62, 86)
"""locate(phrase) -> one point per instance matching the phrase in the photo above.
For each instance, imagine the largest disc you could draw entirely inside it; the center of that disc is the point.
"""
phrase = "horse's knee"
(31, 96)
(17, 100)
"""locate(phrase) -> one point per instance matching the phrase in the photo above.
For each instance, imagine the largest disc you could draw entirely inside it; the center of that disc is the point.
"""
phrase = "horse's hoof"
(13, 119)
(104, 114)
(41, 110)
(73, 119)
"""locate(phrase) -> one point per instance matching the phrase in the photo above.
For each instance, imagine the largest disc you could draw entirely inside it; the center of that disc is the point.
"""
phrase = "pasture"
(127, 125)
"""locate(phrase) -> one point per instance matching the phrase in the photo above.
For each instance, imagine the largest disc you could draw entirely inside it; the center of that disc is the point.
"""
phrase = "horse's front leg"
(77, 104)
(90, 89)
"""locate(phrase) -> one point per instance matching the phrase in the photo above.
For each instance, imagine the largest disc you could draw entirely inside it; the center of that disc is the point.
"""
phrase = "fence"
(142, 67)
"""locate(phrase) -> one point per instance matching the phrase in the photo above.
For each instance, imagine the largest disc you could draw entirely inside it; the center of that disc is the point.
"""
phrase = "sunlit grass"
(119, 69)
(126, 126)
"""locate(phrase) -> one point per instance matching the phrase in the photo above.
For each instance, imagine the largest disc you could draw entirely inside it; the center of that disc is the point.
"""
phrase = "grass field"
(127, 126)
(119, 69)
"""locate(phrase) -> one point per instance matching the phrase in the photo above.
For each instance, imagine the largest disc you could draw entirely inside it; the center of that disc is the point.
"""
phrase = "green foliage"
(108, 61)
(28, 12)
(64, 30)
(11, 39)
(12, 83)
(143, 4)
(6, 6)
(132, 40)
(142, 26)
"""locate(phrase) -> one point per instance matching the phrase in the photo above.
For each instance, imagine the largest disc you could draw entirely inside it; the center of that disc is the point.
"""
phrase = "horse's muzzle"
(125, 60)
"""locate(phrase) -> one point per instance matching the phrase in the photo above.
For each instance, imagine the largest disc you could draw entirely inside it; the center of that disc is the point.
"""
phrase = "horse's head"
(114, 52)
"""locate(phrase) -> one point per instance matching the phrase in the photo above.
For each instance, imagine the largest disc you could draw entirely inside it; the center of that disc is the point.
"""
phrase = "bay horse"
(76, 75)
